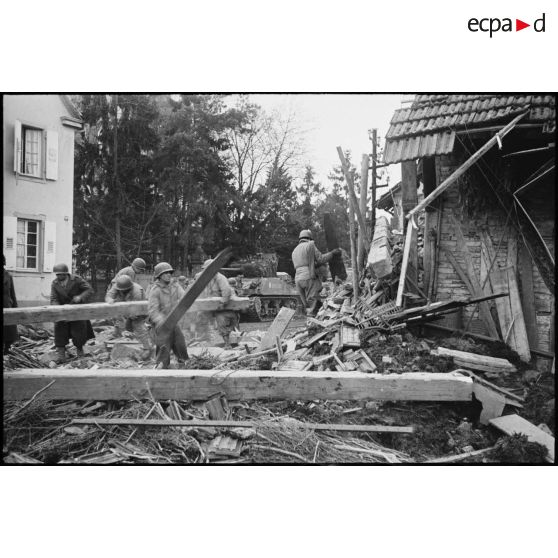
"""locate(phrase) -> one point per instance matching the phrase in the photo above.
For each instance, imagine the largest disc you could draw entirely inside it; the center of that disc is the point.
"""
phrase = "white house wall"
(50, 200)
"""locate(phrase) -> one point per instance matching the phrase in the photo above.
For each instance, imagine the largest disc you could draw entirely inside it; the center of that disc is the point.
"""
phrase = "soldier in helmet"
(225, 320)
(70, 289)
(125, 290)
(138, 266)
(183, 282)
(306, 260)
(163, 298)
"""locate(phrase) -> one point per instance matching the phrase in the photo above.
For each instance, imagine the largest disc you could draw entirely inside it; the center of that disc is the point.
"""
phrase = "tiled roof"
(428, 126)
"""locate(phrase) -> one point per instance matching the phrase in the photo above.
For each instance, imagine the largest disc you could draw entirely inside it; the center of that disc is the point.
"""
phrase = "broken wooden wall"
(448, 283)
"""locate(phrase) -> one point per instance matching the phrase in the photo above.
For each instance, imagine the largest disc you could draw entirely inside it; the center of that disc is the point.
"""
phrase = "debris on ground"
(371, 337)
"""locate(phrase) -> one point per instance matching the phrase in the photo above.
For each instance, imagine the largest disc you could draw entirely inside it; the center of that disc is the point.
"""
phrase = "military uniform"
(63, 292)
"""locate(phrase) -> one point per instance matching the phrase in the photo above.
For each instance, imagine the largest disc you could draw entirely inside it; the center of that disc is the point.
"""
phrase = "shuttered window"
(27, 253)
(31, 151)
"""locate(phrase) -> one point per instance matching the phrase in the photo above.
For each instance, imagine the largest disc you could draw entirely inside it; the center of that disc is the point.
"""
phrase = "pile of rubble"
(370, 337)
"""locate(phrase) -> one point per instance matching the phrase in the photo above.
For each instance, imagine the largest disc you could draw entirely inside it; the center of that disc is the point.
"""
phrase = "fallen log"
(127, 384)
(102, 310)
(476, 362)
(243, 424)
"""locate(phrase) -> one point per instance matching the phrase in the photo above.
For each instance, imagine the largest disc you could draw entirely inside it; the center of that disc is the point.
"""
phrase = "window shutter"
(49, 246)
(52, 155)
(17, 146)
(10, 241)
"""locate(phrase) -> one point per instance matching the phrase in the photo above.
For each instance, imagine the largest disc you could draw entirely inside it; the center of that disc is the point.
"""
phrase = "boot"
(79, 352)
(60, 354)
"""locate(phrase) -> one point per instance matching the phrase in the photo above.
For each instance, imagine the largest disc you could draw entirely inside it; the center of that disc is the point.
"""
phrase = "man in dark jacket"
(70, 289)
(10, 334)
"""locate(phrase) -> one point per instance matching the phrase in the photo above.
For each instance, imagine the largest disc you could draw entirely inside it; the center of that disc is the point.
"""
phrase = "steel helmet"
(139, 263)
(161, 268)
(206, 263)
(124, 283)
(232, 282)
(305, 234)
(182, 278)
(60, 268)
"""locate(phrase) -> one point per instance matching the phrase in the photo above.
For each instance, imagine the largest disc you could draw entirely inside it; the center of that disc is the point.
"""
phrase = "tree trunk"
(116, 187)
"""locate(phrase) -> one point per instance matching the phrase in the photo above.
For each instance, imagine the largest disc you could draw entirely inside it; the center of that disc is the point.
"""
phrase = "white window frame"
(38, 246)
(40, 155)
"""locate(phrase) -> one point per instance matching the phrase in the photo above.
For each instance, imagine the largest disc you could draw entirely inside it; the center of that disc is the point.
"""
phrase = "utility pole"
(373, 137)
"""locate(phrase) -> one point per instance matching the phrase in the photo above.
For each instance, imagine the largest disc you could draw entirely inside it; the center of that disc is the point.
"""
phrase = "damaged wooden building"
(484, 167)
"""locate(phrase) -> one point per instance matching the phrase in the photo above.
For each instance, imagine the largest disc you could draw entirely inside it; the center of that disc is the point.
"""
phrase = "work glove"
(76, 299)
(337, 251)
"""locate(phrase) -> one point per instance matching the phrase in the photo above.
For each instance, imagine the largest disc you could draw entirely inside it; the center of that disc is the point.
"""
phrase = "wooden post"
(469, 163)
(374, 180)
(351, 190)
(528, 295)
(409, 199)
(354, 262)
(363, 202)
(410, 238)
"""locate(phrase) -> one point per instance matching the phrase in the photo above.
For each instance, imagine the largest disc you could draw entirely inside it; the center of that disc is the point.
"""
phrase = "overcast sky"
(332, 120)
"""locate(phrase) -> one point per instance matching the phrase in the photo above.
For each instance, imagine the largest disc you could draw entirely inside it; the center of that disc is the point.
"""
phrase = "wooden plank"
(484, 307)
(363, 200)
(514, 424)
(195, 423)
(493, 403)
(525, 266)
(410, 238)
(277, 329)
(499, 281)
(518, 329)
(466, 165)
(459, 457)
(102, 310)
(127, 384)
(475, 361)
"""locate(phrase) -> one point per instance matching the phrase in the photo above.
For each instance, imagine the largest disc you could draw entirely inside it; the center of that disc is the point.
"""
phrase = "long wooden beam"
(466, 165)
(102, 310)
(118, 384)
(194, 423)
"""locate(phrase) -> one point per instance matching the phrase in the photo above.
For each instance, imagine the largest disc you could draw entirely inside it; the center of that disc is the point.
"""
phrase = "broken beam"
(466, 165)
(103, 310)
(243, 424)
(118, 384)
